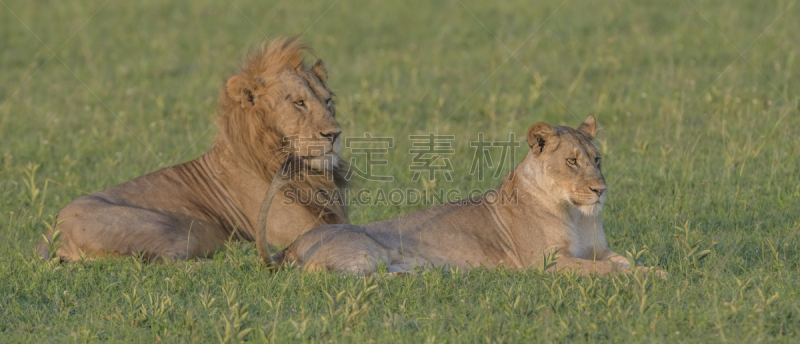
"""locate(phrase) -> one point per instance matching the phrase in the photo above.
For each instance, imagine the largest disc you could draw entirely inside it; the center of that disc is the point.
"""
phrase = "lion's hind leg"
(94, 228)
(356, 257)
(343, 248)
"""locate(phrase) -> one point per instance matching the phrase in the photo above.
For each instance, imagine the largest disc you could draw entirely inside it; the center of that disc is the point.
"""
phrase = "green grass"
(698, 100)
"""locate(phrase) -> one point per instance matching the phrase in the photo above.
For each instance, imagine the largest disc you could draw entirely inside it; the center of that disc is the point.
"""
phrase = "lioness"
(559, 193)
(188, 210)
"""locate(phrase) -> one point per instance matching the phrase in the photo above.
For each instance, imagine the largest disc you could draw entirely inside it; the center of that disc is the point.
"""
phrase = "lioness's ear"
(589, 127)
(242, 89)
(538, 135)
(319, 70)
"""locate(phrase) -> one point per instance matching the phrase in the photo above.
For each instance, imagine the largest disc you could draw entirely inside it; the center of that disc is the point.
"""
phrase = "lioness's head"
(566, 165)
(278, 104)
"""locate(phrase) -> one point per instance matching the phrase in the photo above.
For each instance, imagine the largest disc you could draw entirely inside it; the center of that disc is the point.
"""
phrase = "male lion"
(188, 210)
(559, 193)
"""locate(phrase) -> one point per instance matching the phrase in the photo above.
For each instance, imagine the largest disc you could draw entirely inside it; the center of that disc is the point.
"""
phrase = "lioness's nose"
(332, 135)
(599, 191)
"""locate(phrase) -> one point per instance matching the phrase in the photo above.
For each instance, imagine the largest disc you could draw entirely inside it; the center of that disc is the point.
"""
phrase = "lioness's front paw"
(651, 270)
(619, 260)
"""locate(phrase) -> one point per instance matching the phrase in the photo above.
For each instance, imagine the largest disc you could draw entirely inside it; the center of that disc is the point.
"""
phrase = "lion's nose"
(332, 135)
(599, 191)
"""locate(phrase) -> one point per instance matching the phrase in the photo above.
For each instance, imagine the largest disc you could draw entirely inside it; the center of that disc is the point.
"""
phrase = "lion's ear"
(539, 136)
(319, 70)
(243, 90)
(589, 127)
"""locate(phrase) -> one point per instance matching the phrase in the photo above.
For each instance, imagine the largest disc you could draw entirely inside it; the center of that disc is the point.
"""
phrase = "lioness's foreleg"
(615, 258)
(587, 266)
(622, 261)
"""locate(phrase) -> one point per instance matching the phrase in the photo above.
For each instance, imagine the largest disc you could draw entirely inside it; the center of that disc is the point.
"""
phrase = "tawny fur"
(191, 209)
(559, 191)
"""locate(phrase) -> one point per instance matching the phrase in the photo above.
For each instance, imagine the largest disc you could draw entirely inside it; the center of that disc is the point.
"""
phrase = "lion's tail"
(282, 258)
(280, 179)
(41, 248)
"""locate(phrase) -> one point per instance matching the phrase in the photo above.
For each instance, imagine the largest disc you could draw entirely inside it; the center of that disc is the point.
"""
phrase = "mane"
(251, 135)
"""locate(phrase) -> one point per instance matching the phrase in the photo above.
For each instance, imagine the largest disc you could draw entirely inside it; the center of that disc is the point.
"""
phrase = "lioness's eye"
(328, 102)
(572, 161)
(300, 103)
(597, 161)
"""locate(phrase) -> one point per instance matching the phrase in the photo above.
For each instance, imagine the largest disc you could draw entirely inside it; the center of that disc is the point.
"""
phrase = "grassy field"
(698, 100)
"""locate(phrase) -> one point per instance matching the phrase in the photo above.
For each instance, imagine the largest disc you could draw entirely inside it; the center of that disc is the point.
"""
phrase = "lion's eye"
(597, 161)
(300, 103)
(328, 102)
(572, 161)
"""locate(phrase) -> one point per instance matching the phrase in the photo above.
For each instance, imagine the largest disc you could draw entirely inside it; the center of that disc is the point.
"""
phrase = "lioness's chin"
(591, 209)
